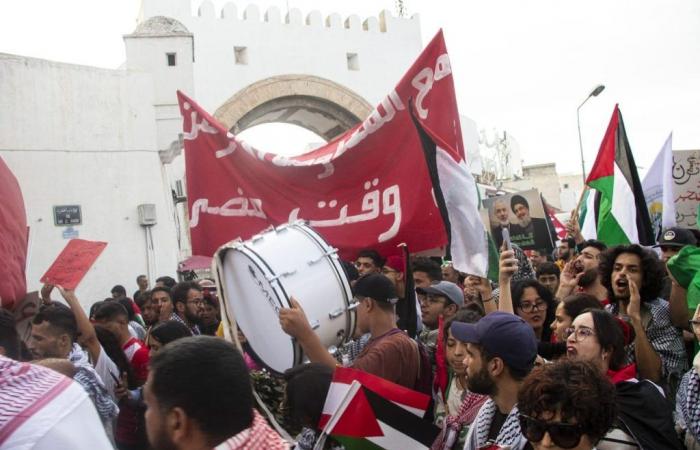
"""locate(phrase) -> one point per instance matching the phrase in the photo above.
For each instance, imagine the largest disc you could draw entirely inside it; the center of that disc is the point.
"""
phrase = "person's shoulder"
(401, 339)
(660, 310)
(659, 303)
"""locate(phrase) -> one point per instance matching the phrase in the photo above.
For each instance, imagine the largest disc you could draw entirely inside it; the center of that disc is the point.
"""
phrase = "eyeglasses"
(530, 307)
(198, 301)
(580, 333)
(387, 271)
(565, 435)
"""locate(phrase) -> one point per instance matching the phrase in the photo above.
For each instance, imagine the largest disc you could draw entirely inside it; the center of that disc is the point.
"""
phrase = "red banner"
(371, 187)
(73, 263)
(13, 240)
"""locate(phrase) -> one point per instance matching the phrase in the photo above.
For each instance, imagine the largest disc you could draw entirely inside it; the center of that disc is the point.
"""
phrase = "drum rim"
(297, 357)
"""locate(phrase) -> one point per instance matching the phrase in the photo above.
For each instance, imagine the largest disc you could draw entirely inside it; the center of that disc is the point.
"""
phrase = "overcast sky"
(520, 66)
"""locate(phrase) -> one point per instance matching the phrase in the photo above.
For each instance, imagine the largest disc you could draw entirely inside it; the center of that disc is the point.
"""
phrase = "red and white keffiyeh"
(24, 390)
(259, 436)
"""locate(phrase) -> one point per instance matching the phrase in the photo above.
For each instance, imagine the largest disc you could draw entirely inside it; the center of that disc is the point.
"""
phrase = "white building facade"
(108, 140)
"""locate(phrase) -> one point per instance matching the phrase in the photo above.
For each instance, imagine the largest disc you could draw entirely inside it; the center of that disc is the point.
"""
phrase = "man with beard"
(188, 412)
(581, 274)
(188, 302)
(565, 252)
(500, 212)
(529, 232)
(54, 335)
(633, 277)
(501, 351)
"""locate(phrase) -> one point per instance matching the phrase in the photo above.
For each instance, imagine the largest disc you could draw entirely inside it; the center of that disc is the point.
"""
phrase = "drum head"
(256, 305)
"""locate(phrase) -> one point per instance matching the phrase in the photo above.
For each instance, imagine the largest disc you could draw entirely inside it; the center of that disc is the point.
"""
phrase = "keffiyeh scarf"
(24, 390)
(86, 376)
(259, 436)
(454, 423)
(509, 435)
(688, 400)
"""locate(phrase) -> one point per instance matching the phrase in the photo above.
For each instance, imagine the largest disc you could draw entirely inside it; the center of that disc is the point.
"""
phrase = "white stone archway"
(322, 106)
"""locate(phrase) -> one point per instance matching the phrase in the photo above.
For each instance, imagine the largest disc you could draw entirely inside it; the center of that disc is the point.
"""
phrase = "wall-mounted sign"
(70, 233)
(67, 215)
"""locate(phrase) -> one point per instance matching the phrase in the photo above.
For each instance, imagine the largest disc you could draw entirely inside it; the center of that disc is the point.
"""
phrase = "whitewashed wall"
(80, 135)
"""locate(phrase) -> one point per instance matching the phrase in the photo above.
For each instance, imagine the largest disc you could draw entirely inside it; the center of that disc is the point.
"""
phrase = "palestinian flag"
(365, 420)
(619, 208)
(413, 401)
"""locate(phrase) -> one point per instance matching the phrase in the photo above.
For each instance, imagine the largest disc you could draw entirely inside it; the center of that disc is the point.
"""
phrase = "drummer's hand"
(293, 320)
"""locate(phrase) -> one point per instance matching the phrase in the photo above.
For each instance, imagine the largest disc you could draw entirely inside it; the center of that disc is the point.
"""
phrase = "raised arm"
(568, 280)
(648, 361)
(507, 266)
(88, 337)
(294, 322)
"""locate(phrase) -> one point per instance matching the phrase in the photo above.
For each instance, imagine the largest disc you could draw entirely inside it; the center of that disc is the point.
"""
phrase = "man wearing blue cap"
(501, 351)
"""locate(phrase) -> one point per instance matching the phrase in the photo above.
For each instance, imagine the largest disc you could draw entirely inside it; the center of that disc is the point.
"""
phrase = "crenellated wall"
(366, 56)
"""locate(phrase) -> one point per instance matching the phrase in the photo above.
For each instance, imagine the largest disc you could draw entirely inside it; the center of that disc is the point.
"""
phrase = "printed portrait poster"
(523, 214)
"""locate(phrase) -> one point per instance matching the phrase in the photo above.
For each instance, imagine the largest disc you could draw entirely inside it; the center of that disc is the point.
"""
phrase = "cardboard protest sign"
(686, 186)
(522, 213)
(73, 263)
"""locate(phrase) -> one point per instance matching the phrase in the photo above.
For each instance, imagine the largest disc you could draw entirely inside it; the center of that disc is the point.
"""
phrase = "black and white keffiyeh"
(510, 435)
(90, 380)
(688, 403)
(666, 339)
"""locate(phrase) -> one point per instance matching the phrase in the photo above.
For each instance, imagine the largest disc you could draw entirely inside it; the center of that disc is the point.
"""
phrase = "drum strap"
(271, 419)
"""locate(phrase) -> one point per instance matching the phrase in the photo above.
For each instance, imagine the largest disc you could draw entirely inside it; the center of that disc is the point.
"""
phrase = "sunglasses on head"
(565, 435)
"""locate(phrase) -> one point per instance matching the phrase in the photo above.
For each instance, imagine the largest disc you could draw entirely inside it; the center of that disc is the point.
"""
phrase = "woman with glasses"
(566, 405)
(644, 419)
(530, 300)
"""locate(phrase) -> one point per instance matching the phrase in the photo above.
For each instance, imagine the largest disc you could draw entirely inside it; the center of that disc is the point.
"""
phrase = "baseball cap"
(502, 334)
(377, 287)
(676, 237)
(445, 289)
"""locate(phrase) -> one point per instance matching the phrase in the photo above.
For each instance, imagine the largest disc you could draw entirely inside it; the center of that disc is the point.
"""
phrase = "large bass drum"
(257, 277)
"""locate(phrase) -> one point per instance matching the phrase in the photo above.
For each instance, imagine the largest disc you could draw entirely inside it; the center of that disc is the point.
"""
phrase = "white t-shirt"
(105, 368)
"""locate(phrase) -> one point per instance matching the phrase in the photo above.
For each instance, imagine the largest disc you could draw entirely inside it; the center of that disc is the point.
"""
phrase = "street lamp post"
(594, 93)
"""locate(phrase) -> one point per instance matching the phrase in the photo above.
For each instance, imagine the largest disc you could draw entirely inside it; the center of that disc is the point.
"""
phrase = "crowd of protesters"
(586, 347)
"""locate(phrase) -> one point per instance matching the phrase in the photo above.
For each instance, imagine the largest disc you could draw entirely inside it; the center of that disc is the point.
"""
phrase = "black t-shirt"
(496, 424)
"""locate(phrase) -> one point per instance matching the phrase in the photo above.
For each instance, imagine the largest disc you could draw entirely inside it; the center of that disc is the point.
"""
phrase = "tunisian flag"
(399, 176)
